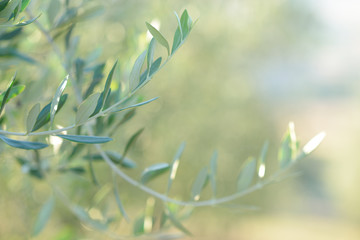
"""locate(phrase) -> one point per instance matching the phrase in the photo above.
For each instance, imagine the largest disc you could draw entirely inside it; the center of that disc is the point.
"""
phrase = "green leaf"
(8, 35)
(115, 157)
(154, 171)
(213, 170)
(134, 77)
(24, 4)
(261, 161)
(131, 141)
(86, 108)
(179, 24)
(138, 227)
(199, 183)
(15, 90)
(150, 53)
(7, 93)
(118, 200)
(155, 66)
(158, 36)
(174, 166)
(135, 105)
(106, 91)
(288, 149)
(97, 76)
(44, 115)
(12, 52)
(84, 216)
(176, 42)
(176, 223)
(31, 118)
(186, 24)
(23, 144)
(44, 216)
(55, 102)
(53, 10)
(21, 24)
(85, 139)
(247, 174)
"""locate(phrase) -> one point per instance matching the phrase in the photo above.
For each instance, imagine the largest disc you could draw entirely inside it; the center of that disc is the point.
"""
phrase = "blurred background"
(248, 68)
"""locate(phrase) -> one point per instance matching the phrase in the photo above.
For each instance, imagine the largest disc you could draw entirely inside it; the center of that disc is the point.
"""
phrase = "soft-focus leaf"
(85, 139)
(199, 183)
(285, 152)
(213, 170)
(135, 105)
(12, 52)
(106, 91)
(53, 10)
(138, 227)
(55, 102)
(86, 108)
(8, 35)
(176, 223)
(6, 94)
(247, 174)
(21, 24)
(84, 216)
(97, 76)
(134, 77)
(118, 200)
(44, 216)
(115, 157)
(174, 166)
(150, 53)
(158, 36)
(44, 115)
(23, 144)
(15, 90)
(154, 171)
(131, 141)
(31, 118)
(186, 24)
(24, 4)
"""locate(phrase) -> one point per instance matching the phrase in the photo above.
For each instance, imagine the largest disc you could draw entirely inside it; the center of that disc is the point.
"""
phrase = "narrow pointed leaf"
(186, 24)
(55, 102)
(136, 105)
(131, 141)
(199, 184)
(285, 151)
(150, 53)
(134, 77)
(177, 41)
(85, 139)
(15, 90)
(115, 157)
(213, 170)
(154, 171)
(158, 36)
(86, 108)
(106, 91)
(118, 200)
(155, 66)
(176, 223)
(44, 216)
(175, 165)
(44, 115)
(24, 23)
(84, 216)
(247, 174)
(7, 93)
(179, 24)
(23, 144)
(313, 143)
(32, 116)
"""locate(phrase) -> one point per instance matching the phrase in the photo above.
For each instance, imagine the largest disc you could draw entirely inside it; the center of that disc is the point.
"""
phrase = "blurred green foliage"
(219, 92)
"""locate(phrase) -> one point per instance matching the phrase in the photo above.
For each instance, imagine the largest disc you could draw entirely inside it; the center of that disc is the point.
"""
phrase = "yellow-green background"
(248, 68)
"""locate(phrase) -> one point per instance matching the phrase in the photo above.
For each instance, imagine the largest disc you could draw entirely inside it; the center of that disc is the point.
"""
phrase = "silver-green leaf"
(134, 77)
(43, 216)
(158, 36)
(199, 183)
(86, 108)
(56, 99)
(32, 116)
(247, 174)
(154, 171)
(23, 144)
(85, 139)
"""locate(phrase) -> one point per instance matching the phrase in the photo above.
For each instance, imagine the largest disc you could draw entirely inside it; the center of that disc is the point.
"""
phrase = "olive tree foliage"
(100, 106)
